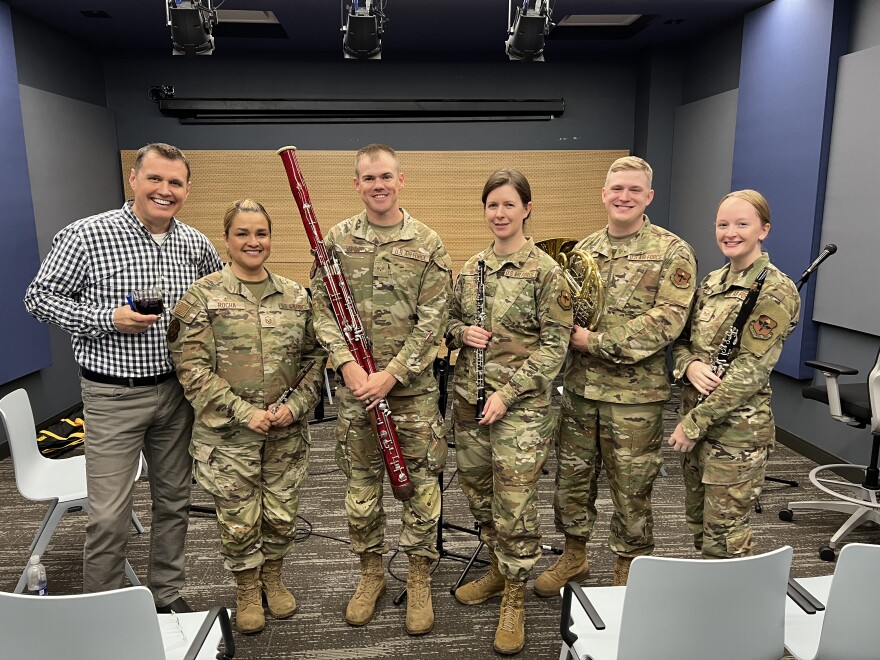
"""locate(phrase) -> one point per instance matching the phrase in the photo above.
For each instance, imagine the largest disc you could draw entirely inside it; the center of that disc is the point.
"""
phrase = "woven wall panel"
(441, 188)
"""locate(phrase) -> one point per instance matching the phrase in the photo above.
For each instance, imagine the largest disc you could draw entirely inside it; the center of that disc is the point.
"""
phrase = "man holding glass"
(97, 275)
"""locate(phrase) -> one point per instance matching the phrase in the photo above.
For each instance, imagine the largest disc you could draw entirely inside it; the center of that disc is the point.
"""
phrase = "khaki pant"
(626, 438)
(120, 422)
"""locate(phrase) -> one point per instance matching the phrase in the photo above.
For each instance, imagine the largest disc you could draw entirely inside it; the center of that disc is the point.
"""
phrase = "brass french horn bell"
(584, 280)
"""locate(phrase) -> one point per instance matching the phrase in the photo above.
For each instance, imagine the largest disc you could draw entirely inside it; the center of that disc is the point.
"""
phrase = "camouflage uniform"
(614, 393)
(401, 286)
(724, 473)
(528, 311)
(233, 355)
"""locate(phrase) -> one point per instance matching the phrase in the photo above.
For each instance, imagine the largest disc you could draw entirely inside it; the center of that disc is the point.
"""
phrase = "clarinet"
(345, 312)
(481, 352)
(729, 346)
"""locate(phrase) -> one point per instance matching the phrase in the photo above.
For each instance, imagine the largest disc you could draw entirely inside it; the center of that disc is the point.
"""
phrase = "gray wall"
(599, 100)
(73, 165)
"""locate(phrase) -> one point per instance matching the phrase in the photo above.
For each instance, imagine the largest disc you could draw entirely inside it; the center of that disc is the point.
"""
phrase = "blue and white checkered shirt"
(94, 264)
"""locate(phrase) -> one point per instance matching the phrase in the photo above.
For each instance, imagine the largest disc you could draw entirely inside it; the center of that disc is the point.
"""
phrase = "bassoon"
(344, 308)
(481, 352)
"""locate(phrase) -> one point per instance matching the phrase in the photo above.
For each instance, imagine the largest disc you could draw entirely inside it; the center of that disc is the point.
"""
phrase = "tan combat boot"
(370, 588)
(572, 566)
(620, 574)
(510, 636)
(419, 610)
(249, 616)
(281, 602)
(483, 588)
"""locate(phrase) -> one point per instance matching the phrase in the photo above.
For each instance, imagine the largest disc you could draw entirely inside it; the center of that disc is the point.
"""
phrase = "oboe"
(345, 312)
(481, 352)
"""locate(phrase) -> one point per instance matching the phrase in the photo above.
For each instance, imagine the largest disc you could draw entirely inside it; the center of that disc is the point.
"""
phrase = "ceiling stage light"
(191, 23)
(362, 30)
(527, 30)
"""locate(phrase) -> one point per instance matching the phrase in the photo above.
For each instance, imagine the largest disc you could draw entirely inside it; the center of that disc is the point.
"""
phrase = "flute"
(344, 308)
(481, 352)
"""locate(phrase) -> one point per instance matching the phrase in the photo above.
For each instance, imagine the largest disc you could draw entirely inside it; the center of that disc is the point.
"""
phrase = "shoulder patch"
(681, 278)
(173, 330)
(410, 254)
(763, 327)
(645, 257)
(521, 274)
(181, 309)
(564, 299)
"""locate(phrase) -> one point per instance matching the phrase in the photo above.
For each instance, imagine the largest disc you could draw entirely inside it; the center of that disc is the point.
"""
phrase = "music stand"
(441, 373)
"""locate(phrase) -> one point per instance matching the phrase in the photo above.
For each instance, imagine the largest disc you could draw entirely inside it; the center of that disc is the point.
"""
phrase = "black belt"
(124, 382)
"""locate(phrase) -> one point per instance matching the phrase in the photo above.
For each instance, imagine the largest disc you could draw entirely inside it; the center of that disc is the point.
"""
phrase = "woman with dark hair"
(502, 447)
(239, 339)
(742, 315)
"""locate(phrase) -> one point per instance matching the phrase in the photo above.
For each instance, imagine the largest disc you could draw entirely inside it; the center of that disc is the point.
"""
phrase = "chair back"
(874, 393)
(27, 461)
(108, 625)
(723, 609)
(851, 629)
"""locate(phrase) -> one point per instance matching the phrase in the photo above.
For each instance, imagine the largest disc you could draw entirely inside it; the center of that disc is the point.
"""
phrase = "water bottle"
(36, 577)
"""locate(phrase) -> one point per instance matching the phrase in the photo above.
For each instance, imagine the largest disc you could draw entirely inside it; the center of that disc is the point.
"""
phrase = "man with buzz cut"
(616, 380)
(401, 278)
(132, 399)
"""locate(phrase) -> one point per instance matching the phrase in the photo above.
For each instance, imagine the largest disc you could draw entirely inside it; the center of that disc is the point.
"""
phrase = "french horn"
(584, 280)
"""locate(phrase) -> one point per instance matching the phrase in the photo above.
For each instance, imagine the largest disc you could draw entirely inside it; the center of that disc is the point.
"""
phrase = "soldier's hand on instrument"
(476, 337)
(131, 322)
(700, 376)
(680, 442)
(377, 387)
(579, 337)
(282, 418)
(261, 422)
(354, 375)
(493, 410)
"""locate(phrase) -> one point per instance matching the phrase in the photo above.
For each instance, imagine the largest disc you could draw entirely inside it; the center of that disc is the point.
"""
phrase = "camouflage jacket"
(235, 354)
(402, 289)
(739, 409)
(650, 285)
(528, 311)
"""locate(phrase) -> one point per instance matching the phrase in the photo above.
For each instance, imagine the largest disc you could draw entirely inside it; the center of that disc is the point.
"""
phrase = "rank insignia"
(762, 327)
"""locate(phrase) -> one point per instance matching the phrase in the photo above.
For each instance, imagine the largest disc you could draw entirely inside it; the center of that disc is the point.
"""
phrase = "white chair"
(61, 482)
(675, 609)
(109, 625)
(858, 405)
(848, 626)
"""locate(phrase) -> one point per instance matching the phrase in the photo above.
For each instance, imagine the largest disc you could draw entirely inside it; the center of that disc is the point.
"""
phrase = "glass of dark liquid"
(147, 301)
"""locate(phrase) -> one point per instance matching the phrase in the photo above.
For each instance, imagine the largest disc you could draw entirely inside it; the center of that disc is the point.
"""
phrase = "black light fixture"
(362, 29)
(191, 23)
(527, 30)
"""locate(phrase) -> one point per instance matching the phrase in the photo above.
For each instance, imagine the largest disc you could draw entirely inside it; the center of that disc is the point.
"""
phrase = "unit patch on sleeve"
(762, 327)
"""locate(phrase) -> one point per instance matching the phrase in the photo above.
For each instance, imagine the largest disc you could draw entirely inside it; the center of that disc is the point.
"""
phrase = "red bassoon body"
(344, 309)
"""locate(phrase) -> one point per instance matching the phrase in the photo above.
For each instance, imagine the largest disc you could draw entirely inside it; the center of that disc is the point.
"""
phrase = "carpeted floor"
(322, 572)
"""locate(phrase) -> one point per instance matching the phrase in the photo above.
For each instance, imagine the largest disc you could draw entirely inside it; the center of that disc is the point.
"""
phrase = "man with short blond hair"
(616, 379)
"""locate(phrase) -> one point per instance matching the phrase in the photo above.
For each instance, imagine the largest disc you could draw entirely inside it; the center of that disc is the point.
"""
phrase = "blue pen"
(130, 302)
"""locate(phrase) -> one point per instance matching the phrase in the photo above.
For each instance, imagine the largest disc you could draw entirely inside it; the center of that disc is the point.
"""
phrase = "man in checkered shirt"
(131, 396)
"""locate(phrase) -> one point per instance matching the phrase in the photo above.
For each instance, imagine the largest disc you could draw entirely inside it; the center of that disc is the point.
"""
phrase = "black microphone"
(830, 249)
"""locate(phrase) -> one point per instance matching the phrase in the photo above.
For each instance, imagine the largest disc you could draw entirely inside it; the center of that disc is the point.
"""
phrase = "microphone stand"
(787, 482)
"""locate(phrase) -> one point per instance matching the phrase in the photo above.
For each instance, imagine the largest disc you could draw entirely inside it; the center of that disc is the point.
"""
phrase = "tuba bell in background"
(582, 275)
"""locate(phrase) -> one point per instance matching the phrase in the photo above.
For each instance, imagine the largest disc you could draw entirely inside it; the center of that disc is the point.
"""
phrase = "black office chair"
(858, 405)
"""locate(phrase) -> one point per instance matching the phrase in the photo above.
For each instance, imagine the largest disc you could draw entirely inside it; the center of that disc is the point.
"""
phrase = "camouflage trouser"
(422, 435)
(721, 485)
(499, 467)
(626, 438)
(255, 486)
